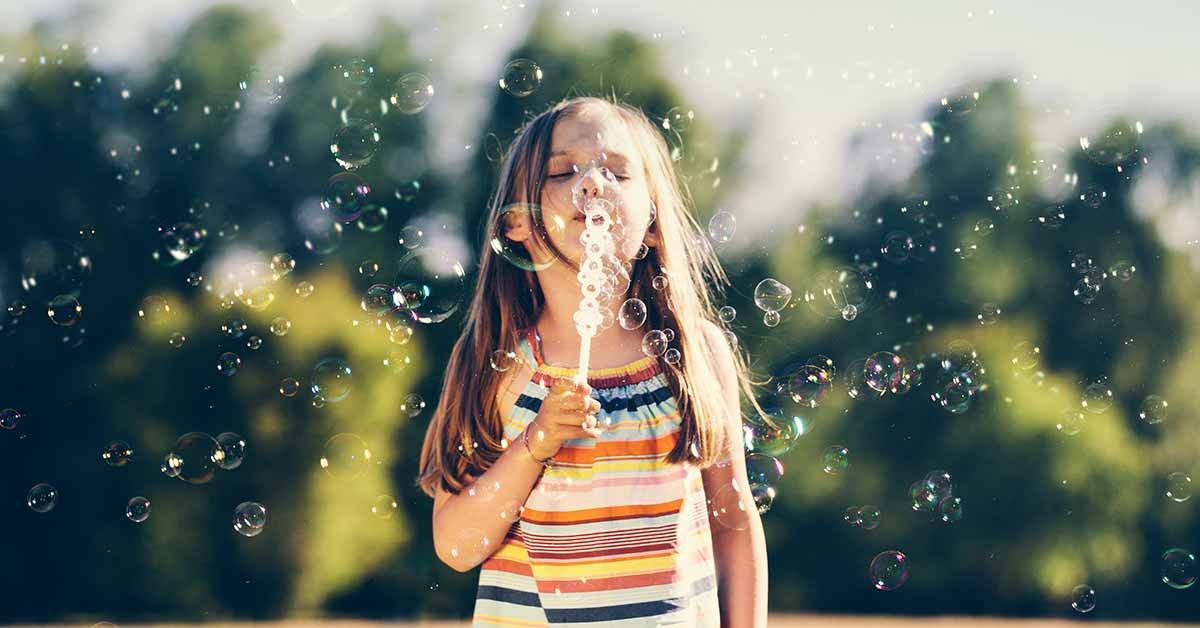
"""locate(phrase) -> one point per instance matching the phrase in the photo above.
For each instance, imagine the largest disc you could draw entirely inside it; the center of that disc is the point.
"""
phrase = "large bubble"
(50, 268)
(429, 285)
(195, 458)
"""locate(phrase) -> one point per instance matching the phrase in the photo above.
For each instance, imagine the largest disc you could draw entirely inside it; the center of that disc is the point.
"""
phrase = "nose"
(592, 184)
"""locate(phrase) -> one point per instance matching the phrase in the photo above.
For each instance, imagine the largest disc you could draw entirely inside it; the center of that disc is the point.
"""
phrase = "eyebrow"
(612, 156)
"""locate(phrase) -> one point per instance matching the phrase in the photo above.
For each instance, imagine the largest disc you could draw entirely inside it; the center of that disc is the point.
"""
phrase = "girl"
(587, 502)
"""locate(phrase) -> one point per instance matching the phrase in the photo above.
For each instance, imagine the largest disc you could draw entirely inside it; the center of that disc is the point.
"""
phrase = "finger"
(593, 405)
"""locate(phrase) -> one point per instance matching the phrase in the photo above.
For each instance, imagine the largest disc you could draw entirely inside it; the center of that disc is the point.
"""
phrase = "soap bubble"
(42, 498)
(836, 459)
(659, 282)
(632, 314)
(234, 328)
(1026, 355)
(771, 296)
(10, 418)
(357, 71)
(852, 515)
(289, 387)
(521, 77)
(1179, 486)
(138, 509)
(194, 458)
(1178, 568)
(1153, 409)
(809, 385)
(833, 291)
(54, 267)
(412, 405)
(950, 509)
(727, 314)
(775, 434)
(1070, 421)
(1053, 216)
(378, 300)
(721, 227)
(672, 356)
(1097, 397)
(178, 242)
(228, 364)
(249, 518)
(305, 289)
(883, 370)
(117, 453)
(954, 391)
(429, 285)
(233, 448)
(411, 237)
(939, 483)
(355, 144)
(889, 570)
(411, 93)
(281, 265)
(64, 310)
(155, 310)
(988, 314)
(515, 219)
(1083, 598)
(729, 508)
(280, 326)
(923, 498)
(1086, 291)
(1093, 196)
(771, 318)
(678, 119)
(897, 247)
(654, 343)
(763, 496)
(763, 469)
(384, 507)
(868, 517)
(345, 456)
(373, 218)
(1122, 270)
(332, 379)
(345, 196)
(1115, 145)
(503, 360)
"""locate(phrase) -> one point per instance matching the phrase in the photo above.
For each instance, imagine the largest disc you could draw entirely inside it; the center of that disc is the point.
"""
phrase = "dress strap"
(530, 347)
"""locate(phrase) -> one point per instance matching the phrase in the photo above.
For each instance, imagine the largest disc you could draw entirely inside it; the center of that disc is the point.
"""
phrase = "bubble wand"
(597, 243)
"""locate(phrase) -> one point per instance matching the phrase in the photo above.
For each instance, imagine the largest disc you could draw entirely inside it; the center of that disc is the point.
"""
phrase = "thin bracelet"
(525, 439)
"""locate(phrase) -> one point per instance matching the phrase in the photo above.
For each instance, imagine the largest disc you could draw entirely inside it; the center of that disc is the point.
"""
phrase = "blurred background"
(963, 238)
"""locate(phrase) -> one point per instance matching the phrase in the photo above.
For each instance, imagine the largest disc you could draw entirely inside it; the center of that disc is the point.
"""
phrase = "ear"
(518, 225)
(651, 237)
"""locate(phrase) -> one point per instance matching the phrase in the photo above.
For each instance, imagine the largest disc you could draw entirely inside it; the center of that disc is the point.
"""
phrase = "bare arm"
(739, 544)
(470, 526)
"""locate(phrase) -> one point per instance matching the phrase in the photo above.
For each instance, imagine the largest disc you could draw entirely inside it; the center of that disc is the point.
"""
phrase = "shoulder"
(720, 351)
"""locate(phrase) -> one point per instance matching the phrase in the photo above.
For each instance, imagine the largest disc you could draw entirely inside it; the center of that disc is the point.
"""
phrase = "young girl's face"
(592, 154)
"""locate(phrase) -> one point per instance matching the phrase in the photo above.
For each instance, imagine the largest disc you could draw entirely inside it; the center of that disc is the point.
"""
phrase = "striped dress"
(613, 535)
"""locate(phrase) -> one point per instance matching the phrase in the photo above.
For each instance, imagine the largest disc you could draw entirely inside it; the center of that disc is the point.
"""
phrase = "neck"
(614, 346)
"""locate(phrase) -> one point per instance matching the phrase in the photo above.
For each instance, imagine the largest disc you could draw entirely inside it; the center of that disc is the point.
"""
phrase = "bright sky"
(810, 74)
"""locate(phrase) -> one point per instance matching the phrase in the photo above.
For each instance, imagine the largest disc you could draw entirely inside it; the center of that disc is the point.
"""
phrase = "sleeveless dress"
(613, 535)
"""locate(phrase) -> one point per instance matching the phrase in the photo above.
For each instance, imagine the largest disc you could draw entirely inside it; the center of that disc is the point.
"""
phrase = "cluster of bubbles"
(53, 274)
(843, 293)
(197, 456)
(959, 379)
(1090, 277)
(935, 494)
(428, 288)
(866, 516)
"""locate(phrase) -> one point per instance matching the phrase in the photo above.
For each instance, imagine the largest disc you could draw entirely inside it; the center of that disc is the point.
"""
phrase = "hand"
(567, 412)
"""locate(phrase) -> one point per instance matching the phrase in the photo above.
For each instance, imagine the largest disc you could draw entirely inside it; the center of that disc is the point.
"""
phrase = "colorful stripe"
(612, 535)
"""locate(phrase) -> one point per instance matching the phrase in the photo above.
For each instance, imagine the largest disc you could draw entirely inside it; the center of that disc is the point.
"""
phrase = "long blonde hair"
(465, 435)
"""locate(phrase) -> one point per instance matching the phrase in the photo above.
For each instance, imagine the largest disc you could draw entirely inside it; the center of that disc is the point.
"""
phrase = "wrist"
(537, 447)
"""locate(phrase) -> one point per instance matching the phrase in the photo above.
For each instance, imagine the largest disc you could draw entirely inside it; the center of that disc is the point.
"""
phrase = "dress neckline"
(625, 370)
